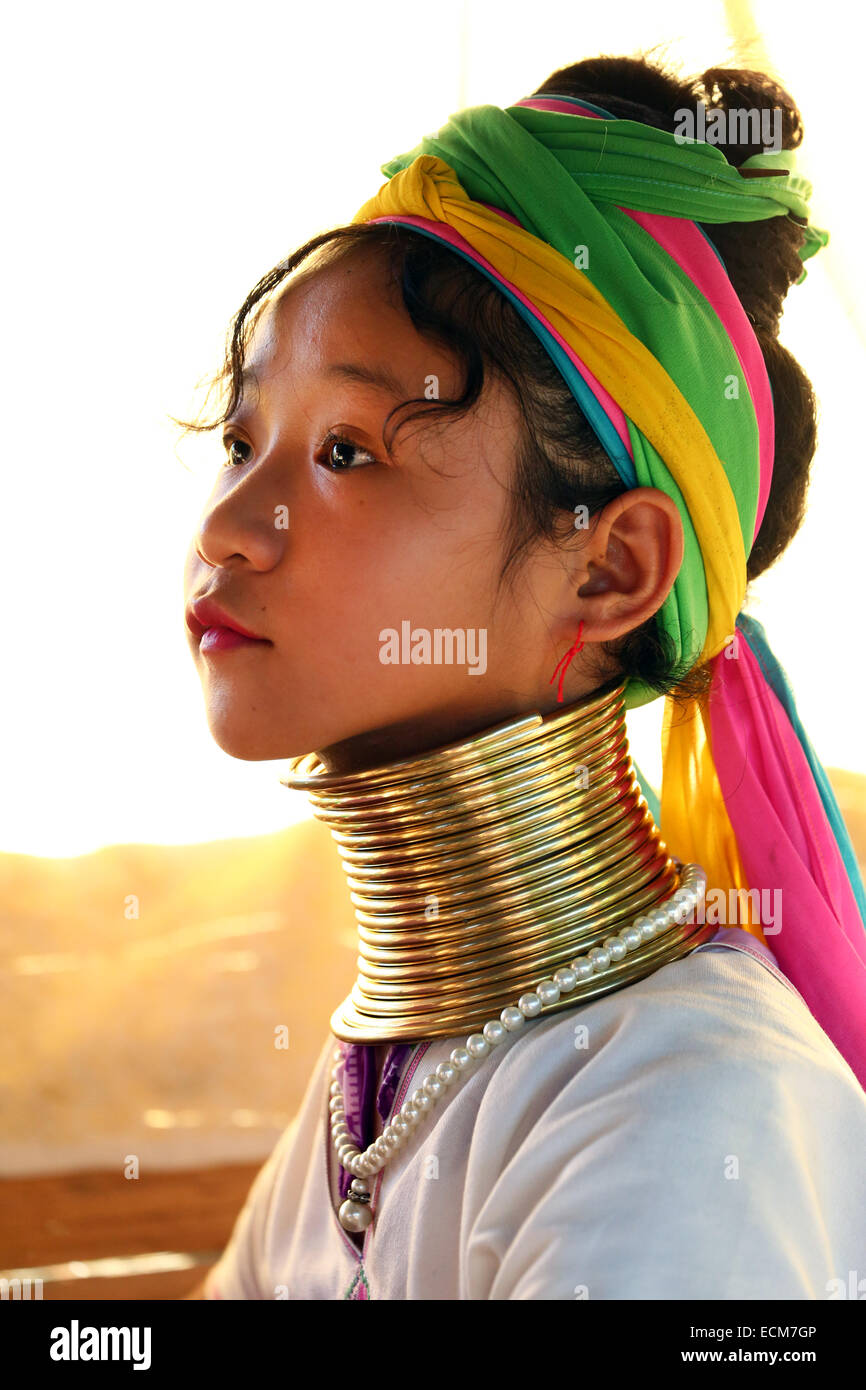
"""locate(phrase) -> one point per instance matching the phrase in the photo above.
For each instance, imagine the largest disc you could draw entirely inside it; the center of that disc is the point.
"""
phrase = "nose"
(240, 526)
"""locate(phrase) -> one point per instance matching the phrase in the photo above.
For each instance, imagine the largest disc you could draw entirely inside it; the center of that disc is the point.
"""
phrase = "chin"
(250, 745)
(259, 740)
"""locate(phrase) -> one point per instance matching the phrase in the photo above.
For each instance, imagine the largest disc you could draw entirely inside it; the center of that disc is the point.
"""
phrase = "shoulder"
(244, 1270)
(694, 1134)
(716, 1012)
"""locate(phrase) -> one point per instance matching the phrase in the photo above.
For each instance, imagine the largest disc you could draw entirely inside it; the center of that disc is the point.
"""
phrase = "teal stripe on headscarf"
(604, 430)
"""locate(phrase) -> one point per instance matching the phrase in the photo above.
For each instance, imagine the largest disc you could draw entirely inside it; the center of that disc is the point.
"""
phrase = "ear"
(627, 568)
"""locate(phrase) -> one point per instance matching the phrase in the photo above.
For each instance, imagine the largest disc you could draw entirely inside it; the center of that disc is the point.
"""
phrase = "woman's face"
(320, 548)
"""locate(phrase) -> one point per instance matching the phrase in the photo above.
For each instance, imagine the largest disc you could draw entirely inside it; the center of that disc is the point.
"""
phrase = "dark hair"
(560, 461)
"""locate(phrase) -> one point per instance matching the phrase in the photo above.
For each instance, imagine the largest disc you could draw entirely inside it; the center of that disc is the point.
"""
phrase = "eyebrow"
(379, 376)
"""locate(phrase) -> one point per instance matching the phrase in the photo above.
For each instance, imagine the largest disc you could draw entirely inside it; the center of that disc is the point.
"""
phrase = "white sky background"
(159, 159)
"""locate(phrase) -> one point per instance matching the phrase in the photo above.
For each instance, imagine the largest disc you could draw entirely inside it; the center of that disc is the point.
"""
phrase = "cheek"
(429, 555)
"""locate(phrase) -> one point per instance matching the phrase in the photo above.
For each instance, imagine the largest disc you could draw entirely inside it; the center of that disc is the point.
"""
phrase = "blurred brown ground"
(91, 1216)
(154, 1037)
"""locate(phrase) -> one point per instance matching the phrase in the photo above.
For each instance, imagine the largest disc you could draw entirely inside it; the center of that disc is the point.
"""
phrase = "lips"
(204, 614)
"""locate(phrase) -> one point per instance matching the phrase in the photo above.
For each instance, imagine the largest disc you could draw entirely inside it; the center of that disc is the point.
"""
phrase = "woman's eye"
(333, 453)
(230, 443)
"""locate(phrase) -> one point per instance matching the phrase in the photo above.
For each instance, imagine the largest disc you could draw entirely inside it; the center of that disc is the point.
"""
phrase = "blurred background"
(164, 907)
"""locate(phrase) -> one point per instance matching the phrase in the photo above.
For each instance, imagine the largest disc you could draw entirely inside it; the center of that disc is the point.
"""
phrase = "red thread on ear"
(565, 661)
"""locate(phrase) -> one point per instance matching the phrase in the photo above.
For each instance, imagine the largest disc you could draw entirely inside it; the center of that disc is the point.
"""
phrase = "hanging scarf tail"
(742, 749)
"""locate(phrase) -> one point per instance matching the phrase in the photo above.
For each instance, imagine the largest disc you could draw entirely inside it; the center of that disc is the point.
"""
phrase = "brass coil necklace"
(487, 863)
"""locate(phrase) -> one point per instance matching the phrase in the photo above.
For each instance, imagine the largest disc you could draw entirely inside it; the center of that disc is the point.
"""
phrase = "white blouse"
(694, 1134)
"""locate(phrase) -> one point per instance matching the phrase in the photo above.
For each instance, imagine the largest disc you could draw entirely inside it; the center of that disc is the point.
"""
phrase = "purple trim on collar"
(359, 1087)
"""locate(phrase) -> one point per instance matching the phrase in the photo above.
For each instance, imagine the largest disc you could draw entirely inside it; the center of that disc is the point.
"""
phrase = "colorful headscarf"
(589, 225)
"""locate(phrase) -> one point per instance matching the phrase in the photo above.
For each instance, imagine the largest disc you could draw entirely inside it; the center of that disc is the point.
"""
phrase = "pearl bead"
(529, 1005)
(582, 969)
(615, 946)
(460, 1058)
(599, 958)
(401, 1126)
(336, 1089)
(477, 1045)
(494, 1032)
(631, 937)
(659, 918)
(447, 1073)
(547, 991)
(335, 1104)
(646, 926)
(566, 979)
(392, 1135)
(511, 1018)
(421, 1100)
(433, 1086)
(338, 1130)
(358, 1185)
(346, 1151)
(411, 1114)
(355, 1216)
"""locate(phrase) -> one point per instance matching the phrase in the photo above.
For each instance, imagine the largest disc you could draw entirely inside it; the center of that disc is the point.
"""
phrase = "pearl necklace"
(355, 1214)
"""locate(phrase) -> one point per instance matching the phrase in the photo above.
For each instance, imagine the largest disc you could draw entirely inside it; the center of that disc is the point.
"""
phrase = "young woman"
(501, 457)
